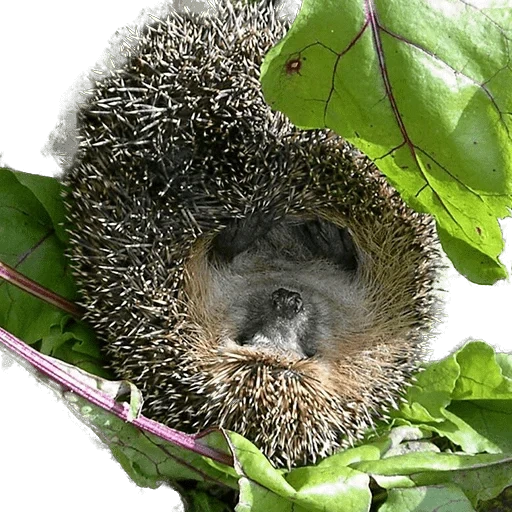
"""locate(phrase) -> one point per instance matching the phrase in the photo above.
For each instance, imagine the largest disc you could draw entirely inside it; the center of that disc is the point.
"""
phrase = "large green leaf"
(30, 244)
(466, 397)
(423, 88)
(333, 487)
(33, 241)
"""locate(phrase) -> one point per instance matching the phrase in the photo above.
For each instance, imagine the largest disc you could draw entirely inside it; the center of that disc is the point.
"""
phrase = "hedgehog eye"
(309, 349)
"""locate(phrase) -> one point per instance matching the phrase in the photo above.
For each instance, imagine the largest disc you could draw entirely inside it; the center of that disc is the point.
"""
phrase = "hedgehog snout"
(281, 321)
(287, 303)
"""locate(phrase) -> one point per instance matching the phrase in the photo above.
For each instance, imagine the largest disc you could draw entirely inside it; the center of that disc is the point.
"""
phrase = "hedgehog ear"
(238, 236)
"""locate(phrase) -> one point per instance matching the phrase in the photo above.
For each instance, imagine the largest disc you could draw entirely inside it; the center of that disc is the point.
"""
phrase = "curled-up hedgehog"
(241, 272)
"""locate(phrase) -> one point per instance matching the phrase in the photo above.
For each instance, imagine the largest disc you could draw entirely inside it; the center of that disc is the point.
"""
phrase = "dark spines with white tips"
(178, 144)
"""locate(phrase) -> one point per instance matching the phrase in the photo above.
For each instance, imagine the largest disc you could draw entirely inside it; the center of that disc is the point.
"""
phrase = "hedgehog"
(243, 273)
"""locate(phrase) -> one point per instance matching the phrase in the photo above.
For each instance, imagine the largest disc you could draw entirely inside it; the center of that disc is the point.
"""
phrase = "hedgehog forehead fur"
(178, 152)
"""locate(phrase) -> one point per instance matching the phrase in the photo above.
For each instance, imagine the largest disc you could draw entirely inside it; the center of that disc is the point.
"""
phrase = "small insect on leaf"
(293, 65)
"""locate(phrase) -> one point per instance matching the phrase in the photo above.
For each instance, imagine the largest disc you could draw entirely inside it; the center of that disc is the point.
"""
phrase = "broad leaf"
(332, 487)
(148, 451)
(466, 397)
(442, 498)
(423, 88)
(33, 242)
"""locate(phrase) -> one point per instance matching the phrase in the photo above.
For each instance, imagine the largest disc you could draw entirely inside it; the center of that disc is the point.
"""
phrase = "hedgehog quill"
(241, 272)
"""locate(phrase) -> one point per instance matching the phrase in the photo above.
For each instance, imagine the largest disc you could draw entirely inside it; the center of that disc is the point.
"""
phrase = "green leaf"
(329, 488)
(148, 459)
(32, 218)
(484, 380)
(466, 397)
(502, 503)
(256, 498)
(423, 88)
(324, 487)
(481, 477)
(441, 498)
(201, 501)
(479, 483)
(252, 463)
(74, 343)
(48, 192)
(31, 245)
(416, 463)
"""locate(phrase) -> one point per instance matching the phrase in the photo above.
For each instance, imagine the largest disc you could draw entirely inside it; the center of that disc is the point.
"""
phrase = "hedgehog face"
(278, 320)
(287, 318)
(294, 315)
(289, 287)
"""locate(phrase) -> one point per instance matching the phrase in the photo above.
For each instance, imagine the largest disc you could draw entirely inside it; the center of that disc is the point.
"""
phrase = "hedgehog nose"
(287, 303)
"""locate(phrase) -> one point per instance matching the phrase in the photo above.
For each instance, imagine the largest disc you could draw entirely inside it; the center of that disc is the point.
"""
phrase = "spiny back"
(178, 145)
